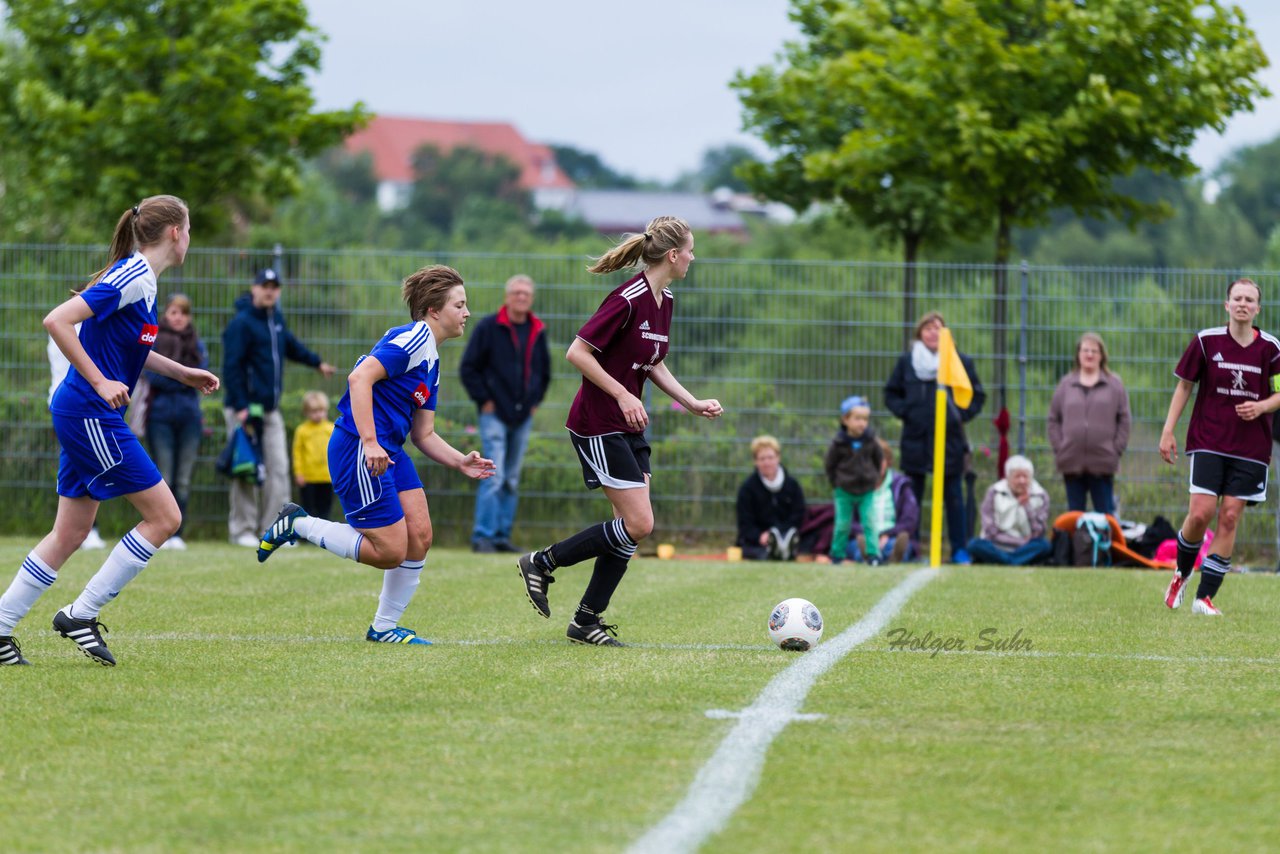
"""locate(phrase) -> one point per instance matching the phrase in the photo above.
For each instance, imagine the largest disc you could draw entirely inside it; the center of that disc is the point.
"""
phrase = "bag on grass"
(1091, 542)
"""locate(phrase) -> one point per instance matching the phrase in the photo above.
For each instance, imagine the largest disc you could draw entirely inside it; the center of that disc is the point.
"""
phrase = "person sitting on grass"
(770, 505)
(1015, 518)
(891, 519)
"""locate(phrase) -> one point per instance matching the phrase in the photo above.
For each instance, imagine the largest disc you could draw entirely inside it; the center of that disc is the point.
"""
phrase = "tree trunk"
(910, 249)
(1004, 246)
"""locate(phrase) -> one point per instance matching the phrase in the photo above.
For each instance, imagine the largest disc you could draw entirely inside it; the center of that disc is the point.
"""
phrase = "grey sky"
(643, 85)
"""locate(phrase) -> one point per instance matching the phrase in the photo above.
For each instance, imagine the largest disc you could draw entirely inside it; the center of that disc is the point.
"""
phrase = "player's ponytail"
(143, 224)
(661, 236)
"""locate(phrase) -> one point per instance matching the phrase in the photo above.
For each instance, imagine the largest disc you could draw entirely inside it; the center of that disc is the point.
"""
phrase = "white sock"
(126, 560)
(33, 579)
(337, 537)
(398, 586)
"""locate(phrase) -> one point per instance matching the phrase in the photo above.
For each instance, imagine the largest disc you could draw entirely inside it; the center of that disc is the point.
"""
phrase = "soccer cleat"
(10, 652)
(536, 581)
(281, 531)
(399, 634)
(593, 634)
(961, 557)
(1204, 605)
(86, 634)
(1177, 587)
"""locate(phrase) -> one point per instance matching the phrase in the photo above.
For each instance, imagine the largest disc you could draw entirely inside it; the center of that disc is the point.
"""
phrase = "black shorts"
(618, 460)
(1215, 474)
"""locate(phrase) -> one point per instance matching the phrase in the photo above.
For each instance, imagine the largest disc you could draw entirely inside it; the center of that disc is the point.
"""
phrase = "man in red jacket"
(506, 370)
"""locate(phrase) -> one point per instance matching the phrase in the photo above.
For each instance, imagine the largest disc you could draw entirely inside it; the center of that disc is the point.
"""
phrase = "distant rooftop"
(618, 211)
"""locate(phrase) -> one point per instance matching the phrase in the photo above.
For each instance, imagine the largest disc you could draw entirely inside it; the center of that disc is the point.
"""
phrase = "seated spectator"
(1015, 518)
(892, 520)
(770, 505)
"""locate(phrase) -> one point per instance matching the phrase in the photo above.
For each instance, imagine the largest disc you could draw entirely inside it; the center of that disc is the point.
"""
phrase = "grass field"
(247, 713)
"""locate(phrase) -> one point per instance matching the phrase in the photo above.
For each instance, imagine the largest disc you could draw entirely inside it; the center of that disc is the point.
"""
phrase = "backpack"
(1091, 541)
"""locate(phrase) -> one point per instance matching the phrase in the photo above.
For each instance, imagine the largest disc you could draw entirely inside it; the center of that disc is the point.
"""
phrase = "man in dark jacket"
(506, 369)
(255, 345)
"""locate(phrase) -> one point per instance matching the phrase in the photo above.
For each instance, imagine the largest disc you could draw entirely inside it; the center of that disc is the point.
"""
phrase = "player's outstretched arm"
(665, 380)
(435, 448)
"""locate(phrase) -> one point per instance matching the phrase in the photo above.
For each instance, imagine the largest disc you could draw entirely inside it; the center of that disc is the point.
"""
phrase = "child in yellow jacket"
(311, 455)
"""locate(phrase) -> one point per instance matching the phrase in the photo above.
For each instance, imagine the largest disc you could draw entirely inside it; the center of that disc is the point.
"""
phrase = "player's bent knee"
(639, 528)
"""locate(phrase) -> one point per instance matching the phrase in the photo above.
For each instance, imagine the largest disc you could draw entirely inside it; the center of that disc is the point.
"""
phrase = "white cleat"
(1205, 606)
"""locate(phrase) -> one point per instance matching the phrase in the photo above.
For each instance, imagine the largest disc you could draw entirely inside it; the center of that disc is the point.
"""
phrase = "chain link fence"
(780, 344)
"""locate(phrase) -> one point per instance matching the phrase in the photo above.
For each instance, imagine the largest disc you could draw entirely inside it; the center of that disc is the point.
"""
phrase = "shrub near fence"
(779, 343)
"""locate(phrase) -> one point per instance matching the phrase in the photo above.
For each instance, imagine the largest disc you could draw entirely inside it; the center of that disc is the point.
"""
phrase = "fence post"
(1022, 361)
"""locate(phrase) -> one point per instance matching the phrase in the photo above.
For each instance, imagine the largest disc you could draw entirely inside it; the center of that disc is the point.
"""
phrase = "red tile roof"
(393, 140)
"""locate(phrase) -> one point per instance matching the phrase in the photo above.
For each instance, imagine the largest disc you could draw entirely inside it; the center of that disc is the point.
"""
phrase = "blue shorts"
(368, 501)
(101, 458)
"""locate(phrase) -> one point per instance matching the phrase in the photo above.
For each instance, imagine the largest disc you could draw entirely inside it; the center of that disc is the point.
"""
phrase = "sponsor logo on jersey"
(421, 394)
(1217, 357)
(644, 326)
(147, 337)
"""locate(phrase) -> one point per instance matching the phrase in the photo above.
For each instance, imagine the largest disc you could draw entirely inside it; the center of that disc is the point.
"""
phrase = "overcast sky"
(643, 85)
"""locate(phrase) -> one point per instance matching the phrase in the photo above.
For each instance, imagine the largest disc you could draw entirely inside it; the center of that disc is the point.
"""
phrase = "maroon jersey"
(630, 333)
(1229, 374)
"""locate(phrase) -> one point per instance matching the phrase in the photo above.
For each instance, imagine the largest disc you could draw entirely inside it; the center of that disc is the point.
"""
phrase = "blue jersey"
(118, 337)
(413, 382)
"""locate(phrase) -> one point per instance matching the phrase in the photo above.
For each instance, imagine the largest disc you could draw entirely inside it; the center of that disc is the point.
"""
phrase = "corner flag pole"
(939, 464)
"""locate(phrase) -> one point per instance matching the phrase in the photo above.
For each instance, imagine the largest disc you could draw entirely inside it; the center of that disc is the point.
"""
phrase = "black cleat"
(10, 652)
(281, 532)
(86, 634)
(536, 579)
(593, 634)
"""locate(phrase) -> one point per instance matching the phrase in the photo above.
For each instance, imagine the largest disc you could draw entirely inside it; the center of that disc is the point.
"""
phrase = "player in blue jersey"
(391, 395)
(100, 458)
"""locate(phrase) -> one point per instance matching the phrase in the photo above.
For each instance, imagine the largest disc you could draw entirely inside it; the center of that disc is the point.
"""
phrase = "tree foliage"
(1251, 183)
(588, 171)
(103, 102)
(999, 111)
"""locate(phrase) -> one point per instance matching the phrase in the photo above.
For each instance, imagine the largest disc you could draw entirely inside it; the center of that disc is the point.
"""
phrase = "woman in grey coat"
(1089, 427)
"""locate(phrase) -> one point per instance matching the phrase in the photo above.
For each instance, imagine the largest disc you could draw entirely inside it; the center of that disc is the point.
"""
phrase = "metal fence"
(779, 343)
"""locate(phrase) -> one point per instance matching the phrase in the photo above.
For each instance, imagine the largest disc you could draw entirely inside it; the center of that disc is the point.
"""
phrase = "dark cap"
(267, 276)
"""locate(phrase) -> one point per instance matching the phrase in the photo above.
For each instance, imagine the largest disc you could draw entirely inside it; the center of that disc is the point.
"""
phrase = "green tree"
(103, 102)
(1251, 182)
(1008, 109)
(446, 183)
(588, 171)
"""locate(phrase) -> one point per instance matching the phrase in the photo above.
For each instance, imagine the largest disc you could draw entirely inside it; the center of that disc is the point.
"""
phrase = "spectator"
(910, 394)
(174, 422)
(311, 455)
(892, 517)
(1089, 427)
(770, 505)
(255, 345)
(853, 465)
(1015, 518)
(506, 369)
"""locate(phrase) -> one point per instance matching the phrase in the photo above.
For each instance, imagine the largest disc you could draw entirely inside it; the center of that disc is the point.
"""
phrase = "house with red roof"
(392, 140)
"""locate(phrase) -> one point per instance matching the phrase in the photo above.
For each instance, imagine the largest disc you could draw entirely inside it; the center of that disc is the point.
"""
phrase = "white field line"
(729, 777)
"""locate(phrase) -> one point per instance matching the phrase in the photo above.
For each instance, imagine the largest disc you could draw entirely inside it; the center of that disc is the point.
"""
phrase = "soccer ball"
(795, 625)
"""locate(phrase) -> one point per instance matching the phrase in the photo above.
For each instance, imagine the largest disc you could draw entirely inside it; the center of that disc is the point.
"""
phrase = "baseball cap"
(267, 276)
(853, 401)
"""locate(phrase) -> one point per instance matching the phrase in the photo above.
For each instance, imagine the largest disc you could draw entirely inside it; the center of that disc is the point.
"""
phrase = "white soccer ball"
(795, 625)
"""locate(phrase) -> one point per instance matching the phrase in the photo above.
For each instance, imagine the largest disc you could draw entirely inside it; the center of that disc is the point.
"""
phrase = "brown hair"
(888, 451)
(181, 300)
(927, 318)
(1244, 282)
(1102, 348)
(660, 236)
(429, 288)
(142, 225)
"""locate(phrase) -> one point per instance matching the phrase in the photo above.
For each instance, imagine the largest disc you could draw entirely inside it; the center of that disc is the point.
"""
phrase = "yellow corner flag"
(951, 372)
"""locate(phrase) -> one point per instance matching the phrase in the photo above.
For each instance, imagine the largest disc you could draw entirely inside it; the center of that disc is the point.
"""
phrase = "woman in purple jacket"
(1089, 427)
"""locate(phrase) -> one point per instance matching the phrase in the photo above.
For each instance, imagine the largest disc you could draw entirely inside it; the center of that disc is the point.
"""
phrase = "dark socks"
(1212, 571)
(1187, 555)
(604, 580)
